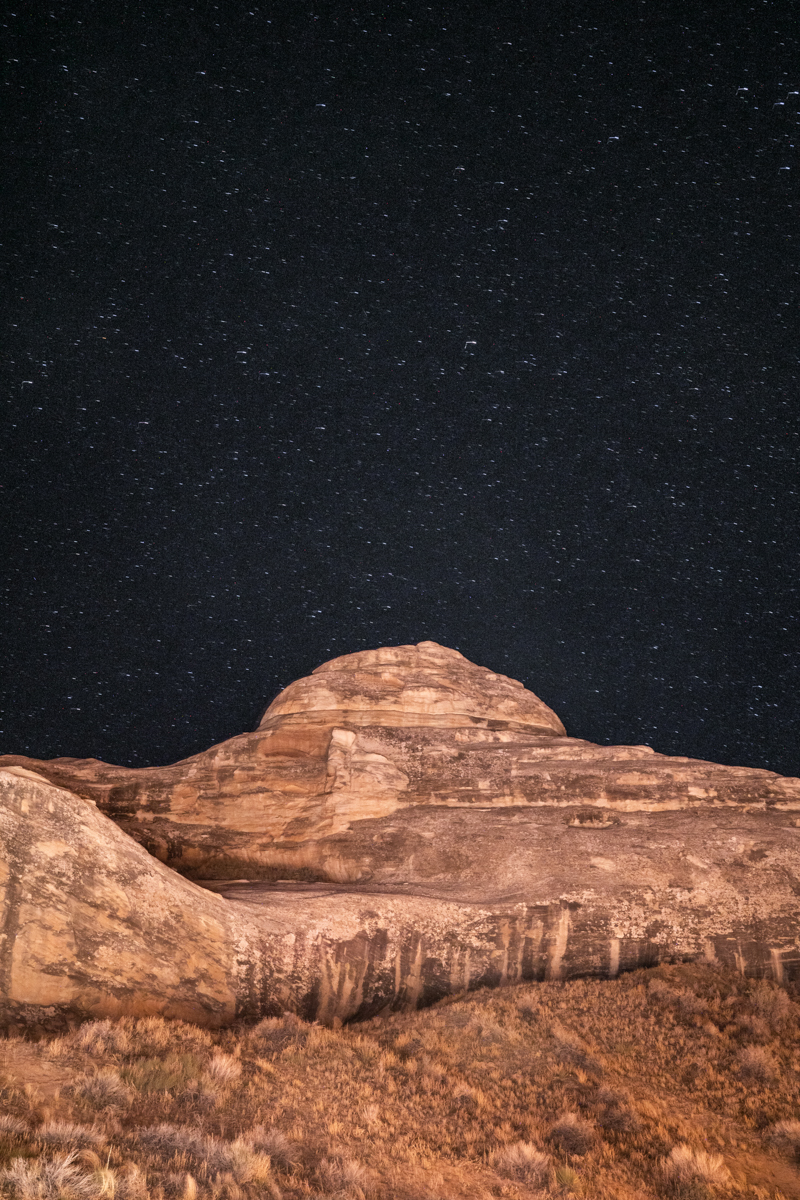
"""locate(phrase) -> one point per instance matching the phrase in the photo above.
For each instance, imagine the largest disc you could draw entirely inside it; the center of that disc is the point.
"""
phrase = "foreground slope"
(672, 1083)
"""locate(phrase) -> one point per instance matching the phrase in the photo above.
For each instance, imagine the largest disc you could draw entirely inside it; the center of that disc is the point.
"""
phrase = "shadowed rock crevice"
(402, 825)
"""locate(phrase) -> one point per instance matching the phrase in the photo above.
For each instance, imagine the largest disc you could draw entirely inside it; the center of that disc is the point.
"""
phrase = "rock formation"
(401, 825)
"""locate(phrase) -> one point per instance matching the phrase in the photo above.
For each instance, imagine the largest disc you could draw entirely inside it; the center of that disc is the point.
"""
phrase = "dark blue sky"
(335, 326)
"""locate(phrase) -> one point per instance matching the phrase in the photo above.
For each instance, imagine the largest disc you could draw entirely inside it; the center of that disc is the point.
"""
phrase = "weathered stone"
(392, 854)
(425, 684)
(440, 731)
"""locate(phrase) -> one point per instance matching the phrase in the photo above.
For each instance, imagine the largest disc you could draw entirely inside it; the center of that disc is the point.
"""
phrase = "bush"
(283, 1153)
(56, 1179)
(341, 1173)
(786, 1136)
(238, 1158)
(278, 1033)
(572, 1134)
(12, 1125)
(686, 1166)
(522, 1161)
(223, 1068)
(104, 1088)
(64, 1133)
(772, 1004)
(756, 1063)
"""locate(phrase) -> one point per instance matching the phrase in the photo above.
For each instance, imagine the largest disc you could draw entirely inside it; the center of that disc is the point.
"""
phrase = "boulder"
(402, 825)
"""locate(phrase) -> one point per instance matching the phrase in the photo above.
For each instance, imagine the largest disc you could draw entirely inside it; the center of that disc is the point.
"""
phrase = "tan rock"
(418, 685)
(400, 841)
(93, 926)
(372, 733)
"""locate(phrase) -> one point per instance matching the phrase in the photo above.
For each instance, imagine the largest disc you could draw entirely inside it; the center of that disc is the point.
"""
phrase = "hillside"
(682, 1081)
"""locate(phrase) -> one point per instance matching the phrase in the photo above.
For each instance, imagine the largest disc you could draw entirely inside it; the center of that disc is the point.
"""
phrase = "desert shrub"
(59, 1178)
(100, 1038)
(12, 1125)
(96, 1036)
(466, 1098)
(754, 1027)
(522, 1161)
(772, 1004)
(275, 1034)
(282, 1152)
(239, 1158)
(131, 1183)
(786, 1136)
(614, 1113)
(685, 1167)
(64, 1133)
(162, 1074)
(755, 1062)
(223, 1068)
(103, 1089)
(341, 1173)
(572, 1134)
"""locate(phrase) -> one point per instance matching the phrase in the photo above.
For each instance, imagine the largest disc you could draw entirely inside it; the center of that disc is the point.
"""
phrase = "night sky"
(332, 326)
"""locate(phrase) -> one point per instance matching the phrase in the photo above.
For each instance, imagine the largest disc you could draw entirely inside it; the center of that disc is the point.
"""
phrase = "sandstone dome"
(403, 825)
(426, 684)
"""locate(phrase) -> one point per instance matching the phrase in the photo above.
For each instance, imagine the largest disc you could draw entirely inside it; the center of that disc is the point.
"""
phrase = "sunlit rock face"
(424, 685)
(373, 733)
(402, 824)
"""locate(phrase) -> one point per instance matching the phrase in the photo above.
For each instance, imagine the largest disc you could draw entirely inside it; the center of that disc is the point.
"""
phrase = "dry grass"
(679, 1082)
(686, 1167)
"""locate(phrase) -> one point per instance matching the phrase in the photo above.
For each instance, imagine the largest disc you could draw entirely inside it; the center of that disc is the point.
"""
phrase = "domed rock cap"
(427, 684)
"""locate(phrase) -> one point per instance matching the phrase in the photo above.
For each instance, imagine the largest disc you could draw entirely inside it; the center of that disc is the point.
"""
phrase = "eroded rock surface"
(407, 825)
(370, 734)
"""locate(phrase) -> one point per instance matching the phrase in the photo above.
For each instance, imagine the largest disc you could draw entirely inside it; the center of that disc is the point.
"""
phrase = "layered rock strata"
(368, 735)
(402, 825)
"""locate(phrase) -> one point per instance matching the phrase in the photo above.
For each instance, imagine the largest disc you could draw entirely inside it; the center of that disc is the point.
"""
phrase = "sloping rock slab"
(94, 926)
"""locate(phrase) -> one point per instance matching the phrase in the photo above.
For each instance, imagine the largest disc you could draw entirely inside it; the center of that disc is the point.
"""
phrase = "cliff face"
(402, 824)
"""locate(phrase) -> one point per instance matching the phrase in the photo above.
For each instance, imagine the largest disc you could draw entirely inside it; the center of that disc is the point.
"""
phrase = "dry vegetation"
(680, 1083)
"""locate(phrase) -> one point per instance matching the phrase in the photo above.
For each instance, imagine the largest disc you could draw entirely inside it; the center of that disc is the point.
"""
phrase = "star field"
(338, 326)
